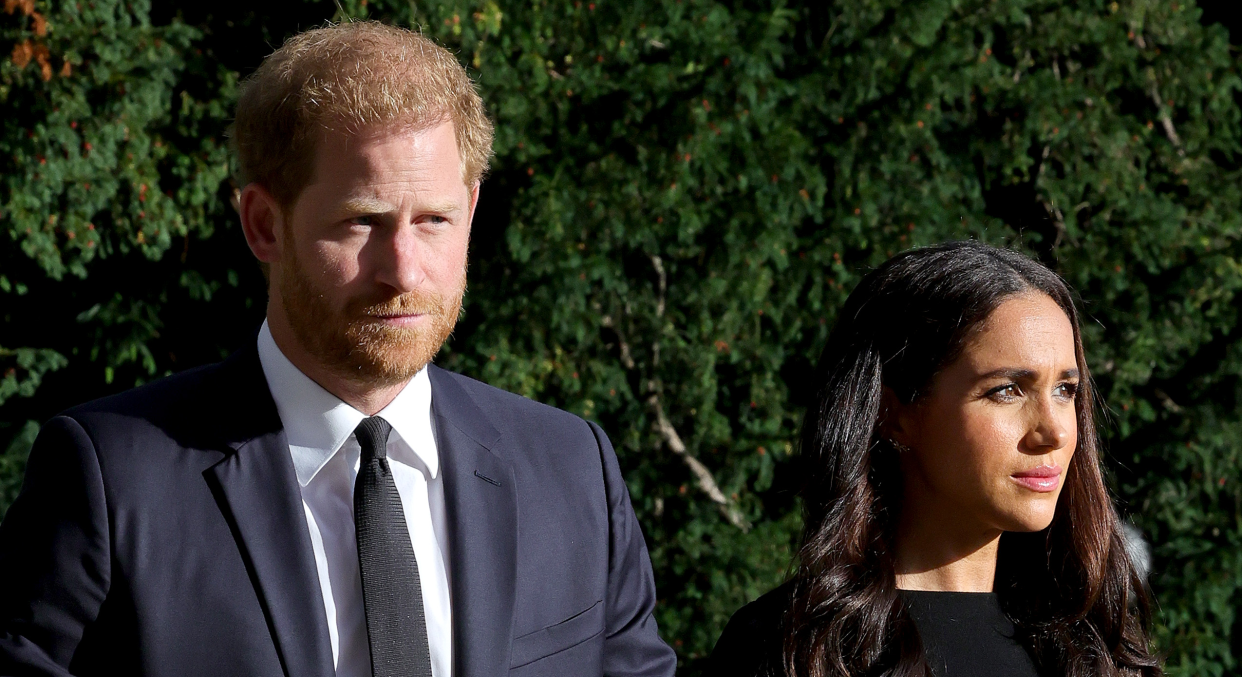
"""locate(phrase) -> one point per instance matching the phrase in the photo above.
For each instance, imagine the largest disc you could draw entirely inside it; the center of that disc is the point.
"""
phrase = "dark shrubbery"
(684, 192)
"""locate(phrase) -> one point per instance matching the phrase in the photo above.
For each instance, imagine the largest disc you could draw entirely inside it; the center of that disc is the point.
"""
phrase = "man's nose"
(399, 258)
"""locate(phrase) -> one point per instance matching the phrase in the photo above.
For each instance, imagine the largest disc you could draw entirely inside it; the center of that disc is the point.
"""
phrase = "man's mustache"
(410, 303)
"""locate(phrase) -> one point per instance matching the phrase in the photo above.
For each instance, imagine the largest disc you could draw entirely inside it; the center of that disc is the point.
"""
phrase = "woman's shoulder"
(751, 644)
(764, 613)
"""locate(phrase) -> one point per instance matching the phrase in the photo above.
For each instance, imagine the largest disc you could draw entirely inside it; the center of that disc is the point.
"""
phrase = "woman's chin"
(1028, 520)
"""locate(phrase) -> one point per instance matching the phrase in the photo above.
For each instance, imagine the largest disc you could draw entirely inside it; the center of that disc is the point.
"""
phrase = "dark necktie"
(391, 596)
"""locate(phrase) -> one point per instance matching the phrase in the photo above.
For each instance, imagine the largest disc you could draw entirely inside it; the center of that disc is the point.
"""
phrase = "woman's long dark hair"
(1078, 604)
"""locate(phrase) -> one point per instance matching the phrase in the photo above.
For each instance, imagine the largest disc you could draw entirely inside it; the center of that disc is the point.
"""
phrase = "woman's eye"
(1005, 393)
(1067, 390)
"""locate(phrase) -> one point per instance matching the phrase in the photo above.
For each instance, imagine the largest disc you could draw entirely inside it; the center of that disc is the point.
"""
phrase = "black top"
(750, 645)
(964, 634)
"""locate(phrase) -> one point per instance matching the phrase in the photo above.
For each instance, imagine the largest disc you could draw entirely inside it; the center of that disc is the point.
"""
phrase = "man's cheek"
(336, 266)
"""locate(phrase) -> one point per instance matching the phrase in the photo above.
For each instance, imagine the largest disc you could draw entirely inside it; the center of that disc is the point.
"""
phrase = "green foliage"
(99, 162)
(13, 461)
(684, 192)
(111, 164)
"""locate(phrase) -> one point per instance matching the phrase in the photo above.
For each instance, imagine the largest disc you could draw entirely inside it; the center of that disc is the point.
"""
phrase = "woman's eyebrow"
(1016, 374)
(1011, 373)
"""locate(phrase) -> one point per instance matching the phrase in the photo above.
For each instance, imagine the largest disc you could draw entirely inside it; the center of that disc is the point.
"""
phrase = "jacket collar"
(481, 506)
(257, 490)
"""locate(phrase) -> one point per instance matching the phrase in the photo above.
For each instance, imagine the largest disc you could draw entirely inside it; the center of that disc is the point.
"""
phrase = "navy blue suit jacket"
(161, 532)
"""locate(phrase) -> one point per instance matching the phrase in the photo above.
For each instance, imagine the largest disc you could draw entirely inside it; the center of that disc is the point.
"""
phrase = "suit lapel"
(258, 492)
(481, 506)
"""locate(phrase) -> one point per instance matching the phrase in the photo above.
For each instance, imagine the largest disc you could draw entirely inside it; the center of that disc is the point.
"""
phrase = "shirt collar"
(317, 423)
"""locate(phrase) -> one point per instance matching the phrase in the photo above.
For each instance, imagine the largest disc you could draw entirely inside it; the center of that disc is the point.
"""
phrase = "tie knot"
(372, 436)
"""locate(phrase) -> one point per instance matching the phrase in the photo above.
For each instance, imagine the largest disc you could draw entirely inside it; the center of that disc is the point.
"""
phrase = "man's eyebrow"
(440, 207)
(367, 205)
(370, 205)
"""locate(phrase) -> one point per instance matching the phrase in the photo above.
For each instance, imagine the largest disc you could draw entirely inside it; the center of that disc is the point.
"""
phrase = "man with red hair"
(327, 501)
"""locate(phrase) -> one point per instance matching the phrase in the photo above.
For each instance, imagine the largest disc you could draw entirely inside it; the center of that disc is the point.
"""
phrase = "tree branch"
(1165, 120)
(663, 287)
(627, 359)
(706, 482)
(703, 476)
(659, 266)
(1058, 221)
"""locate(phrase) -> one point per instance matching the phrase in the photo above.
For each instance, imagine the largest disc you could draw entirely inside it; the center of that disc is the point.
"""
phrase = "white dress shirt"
(326, 455)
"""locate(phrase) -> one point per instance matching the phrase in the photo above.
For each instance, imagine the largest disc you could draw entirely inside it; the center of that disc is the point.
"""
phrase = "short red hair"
(346, 78)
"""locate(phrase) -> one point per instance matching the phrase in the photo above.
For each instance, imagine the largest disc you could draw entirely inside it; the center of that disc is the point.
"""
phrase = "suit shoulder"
(150, 400)
(515, 411)
(207, 406)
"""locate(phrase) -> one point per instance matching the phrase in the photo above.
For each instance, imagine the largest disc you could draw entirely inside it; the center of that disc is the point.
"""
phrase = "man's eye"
(367, 220)
(435, 219)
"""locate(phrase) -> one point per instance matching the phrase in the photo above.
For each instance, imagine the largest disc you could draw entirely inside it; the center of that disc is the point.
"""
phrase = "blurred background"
(683, 194)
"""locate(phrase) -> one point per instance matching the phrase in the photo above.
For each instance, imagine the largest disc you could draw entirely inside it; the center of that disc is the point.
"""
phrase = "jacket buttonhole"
(487, 479)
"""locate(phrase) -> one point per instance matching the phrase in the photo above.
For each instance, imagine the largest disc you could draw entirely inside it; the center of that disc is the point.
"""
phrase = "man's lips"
(1042, 478)
(400, 319)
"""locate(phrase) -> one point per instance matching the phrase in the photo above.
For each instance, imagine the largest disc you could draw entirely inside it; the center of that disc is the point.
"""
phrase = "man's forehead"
(382, 150)
(343, 131)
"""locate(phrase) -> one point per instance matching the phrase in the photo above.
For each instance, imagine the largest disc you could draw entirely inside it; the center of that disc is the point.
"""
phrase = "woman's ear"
(895, 422)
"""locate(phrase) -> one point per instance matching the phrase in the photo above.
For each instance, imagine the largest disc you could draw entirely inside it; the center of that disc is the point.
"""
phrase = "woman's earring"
(898, 446)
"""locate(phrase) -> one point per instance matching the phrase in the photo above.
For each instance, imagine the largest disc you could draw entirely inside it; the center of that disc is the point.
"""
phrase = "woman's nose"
(1053, 427)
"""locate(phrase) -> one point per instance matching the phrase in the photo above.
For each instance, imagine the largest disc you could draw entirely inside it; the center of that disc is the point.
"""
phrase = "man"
(326, 501)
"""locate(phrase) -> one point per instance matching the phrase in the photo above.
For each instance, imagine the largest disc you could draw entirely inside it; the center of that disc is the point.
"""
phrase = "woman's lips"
(1044, 478)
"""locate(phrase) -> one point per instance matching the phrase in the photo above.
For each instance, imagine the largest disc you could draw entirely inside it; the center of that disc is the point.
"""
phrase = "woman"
(956, 518)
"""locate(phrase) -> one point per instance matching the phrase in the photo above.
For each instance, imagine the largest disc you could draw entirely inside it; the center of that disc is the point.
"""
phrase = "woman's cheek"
(995, 438)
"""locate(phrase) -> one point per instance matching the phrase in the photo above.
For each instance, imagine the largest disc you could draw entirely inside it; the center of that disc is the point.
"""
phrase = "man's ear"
(895, 421)
(474, 201)
(262, 221)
